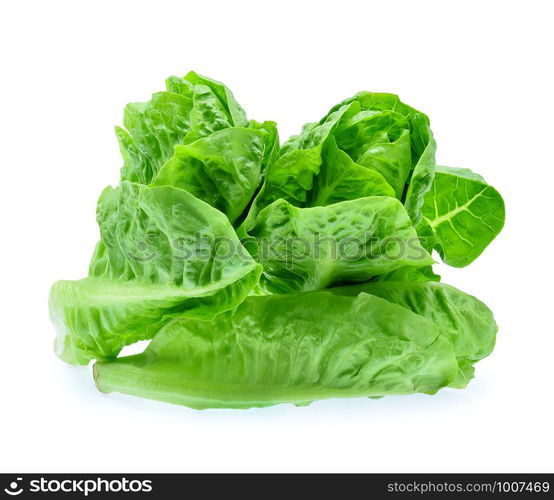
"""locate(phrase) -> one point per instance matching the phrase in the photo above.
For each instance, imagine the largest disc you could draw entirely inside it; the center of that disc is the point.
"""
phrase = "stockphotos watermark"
(289, 250)
(84, 487)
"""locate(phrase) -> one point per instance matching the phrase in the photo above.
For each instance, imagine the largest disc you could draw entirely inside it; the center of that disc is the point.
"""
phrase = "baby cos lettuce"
(267, 274)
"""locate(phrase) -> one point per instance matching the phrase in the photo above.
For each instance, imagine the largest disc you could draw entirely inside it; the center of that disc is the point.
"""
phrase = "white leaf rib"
(452, 213)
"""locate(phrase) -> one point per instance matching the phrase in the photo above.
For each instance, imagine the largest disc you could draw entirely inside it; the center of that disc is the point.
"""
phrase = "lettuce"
(289, 348)
(266, 273)
(314, 248)
(156, 259)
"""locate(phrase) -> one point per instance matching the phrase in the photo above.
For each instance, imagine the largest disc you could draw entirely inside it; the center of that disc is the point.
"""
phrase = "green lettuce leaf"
(321, 176)
(271, 142)
(463, 319)
(237, 116)
(377, 137)
(291, 176)
(288, 348)
(340, 179)
(163, 253)
(370, 144)
(223, 169)
(192, 107)
(153, 129)
(351, 241)
(463, 214)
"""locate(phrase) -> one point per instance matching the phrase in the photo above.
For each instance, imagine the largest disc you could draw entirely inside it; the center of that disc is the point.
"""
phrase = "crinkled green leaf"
(319, 176)
(153, 128)
(378, 132)
(291, 177)
(224, 169)
(292, 174)
(391, 159)
(162, 252)
(462, 318)
(271, 142)
(288, 348)
(237, 116)
(315, 134)
(208, 114)
(341, 179)
(351, 241)
(380, 141)
(423, 147)
(192, 107)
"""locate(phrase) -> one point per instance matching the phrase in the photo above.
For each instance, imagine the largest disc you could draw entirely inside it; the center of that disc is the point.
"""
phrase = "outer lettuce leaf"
(371, 339)
(162, 253)
(95, 318)
(351, 241)
(465, 320)
(288, 348)
(463, 214)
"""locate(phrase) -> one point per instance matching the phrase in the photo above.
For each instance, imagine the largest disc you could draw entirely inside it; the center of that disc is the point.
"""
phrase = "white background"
(481, 70)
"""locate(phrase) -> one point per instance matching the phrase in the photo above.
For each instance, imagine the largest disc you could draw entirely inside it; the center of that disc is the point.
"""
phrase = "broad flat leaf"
(464, 213)
(96, 317)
